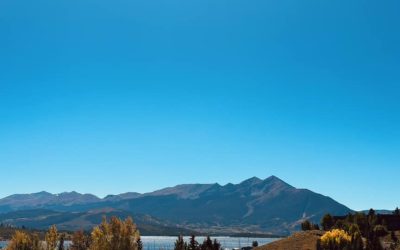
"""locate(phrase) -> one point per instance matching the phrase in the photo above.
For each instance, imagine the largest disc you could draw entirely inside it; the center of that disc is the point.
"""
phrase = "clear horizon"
(107, 98)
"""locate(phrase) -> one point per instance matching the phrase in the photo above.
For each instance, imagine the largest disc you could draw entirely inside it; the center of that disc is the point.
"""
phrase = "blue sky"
(113, 96)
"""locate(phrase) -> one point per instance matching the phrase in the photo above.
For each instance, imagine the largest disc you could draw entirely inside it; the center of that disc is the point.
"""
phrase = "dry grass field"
(298, 241)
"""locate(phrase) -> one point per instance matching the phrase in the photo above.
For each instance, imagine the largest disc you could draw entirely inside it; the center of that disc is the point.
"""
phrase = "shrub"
(336, 239)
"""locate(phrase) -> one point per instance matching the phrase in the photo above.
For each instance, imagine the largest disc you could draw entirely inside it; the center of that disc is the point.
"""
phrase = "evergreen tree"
(396, 211)
(306, 225)
(216, 245)
(207, 244)
(180, 244)
(193, 244)
(327, 222)
(139, 244)
(254, 244)
(315, 227)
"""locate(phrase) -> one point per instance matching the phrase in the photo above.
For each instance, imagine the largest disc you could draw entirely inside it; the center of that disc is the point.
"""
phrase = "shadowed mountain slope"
(254, 205)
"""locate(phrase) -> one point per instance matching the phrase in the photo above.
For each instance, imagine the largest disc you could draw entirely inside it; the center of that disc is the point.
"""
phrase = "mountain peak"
(251, 181)
(276, 181)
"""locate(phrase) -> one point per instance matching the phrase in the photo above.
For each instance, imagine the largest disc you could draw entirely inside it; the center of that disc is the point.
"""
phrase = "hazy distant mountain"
(45, 199)
(124, 196)
(42, 218)
(254, 205)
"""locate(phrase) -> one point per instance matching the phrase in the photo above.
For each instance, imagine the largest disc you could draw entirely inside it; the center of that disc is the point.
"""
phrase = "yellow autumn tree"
(51, 238)
(115, 235)
(24, 241)
(79, 241)
(335, 239)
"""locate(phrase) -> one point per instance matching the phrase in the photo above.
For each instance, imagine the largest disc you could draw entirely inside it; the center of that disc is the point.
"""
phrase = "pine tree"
(327, 222)
(139, 244)
(207, 244)
(306, 225)
(193, 244)
(216, 245)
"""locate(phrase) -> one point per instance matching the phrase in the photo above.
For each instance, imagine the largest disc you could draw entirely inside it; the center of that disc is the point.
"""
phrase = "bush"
(336, 239)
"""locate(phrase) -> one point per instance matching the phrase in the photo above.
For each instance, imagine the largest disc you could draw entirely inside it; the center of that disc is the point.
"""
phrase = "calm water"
(167, 242)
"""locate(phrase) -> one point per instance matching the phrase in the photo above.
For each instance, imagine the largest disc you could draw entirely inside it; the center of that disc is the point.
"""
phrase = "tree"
(254, 244)
(79, 241)
(362, 222)
(306, 225)
(356, 238)
(371, 212)
(139, 244)
(207, 244)
(51, 238)
(315, 227)
(357, 242)
(396, 211)
(115, 235)
(193, 244)
(216, 245)
(327, 222)
(24, 241)
(180, 244)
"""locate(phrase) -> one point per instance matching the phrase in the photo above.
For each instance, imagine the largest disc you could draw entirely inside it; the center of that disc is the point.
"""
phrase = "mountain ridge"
(253, 205)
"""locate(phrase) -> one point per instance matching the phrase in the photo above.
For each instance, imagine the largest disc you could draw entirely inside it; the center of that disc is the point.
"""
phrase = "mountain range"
(269, 206)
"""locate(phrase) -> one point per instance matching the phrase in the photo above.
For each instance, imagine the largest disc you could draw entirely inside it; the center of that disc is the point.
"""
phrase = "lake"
(167, 242)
